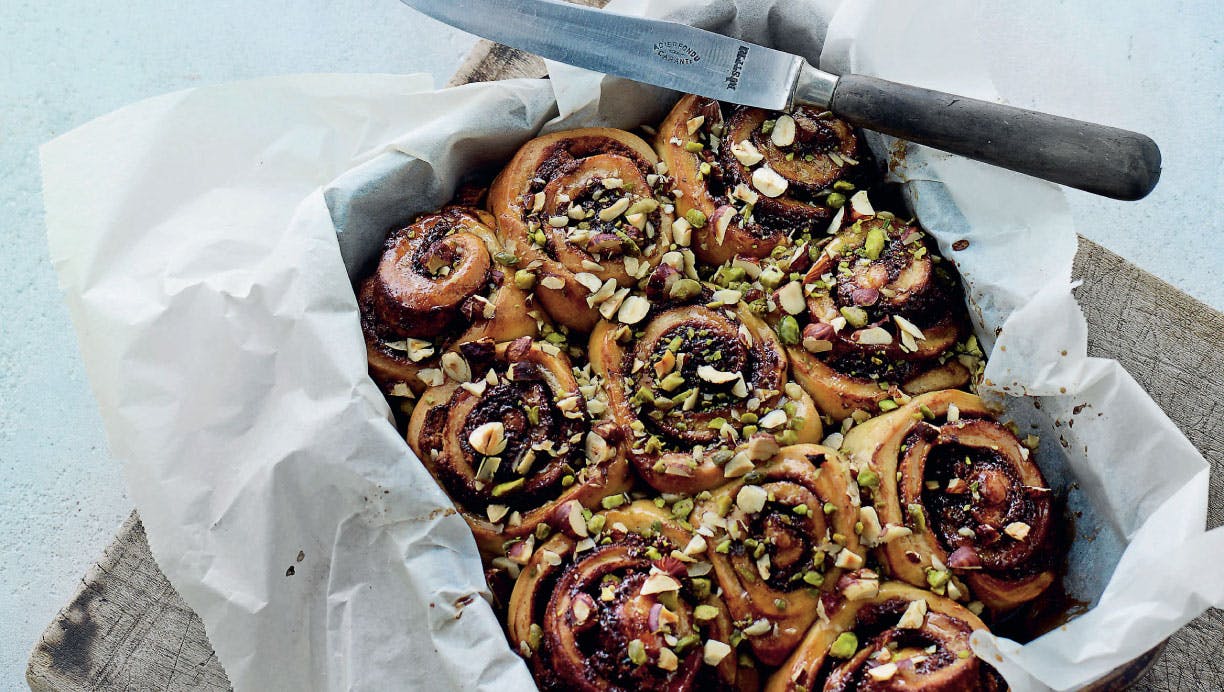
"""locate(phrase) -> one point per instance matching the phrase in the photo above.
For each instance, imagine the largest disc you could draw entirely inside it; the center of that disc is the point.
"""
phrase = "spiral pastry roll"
(441, 280)
(890, 636)
(750, 181)
(616, 610)
(587, 215)
(875, 317)
(509, 437)
(958, 498)
(699, 391)
(781, 535)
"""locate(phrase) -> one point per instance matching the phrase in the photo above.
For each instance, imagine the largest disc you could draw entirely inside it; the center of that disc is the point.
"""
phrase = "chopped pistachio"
(637, 652)
(788, 330)
(855, 316)
(695, 217)
(874, 244)
(844, 646)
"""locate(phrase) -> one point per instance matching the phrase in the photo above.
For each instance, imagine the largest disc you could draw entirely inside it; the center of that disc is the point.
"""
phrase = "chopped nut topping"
(883, 672)
(633, 309)
(456, 367)
(783, 133)
(1017, 530)
(714, 652)
(860, 205)
(758, 628)
(751, 499)
(488, 438)
(714, 375)
(769, 182)
(614, 210)
(790, 297)
(659, 583)
(746, 153)
(913, 616)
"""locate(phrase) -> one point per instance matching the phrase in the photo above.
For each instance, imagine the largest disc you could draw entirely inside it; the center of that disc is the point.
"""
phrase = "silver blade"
(666, 54)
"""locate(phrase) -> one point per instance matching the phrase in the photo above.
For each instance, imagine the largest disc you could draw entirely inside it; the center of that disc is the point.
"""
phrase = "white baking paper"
(202, 240)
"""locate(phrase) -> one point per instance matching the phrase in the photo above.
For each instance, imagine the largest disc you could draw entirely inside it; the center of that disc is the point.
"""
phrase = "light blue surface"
(62, 64)
(1155, 67)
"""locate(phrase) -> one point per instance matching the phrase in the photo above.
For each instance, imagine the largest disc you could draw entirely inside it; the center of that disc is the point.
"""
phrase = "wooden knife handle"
(1103, 160)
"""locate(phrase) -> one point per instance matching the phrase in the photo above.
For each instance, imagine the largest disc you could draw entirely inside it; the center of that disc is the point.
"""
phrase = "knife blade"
(1096, 158)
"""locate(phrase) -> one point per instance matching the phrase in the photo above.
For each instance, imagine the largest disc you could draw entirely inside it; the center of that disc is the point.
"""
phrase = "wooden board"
(127, 628)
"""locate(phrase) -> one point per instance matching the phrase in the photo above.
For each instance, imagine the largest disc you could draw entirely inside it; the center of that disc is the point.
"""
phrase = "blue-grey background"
(1154, 67)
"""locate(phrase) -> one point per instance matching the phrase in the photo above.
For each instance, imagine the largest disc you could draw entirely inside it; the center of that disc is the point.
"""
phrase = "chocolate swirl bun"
(699, 390)
(588, 217)
(960, 499)
(781, 535)
(438, 282)
(615, 611)
(889, 637)
(510, 439)
(750, 181)
(880, 316)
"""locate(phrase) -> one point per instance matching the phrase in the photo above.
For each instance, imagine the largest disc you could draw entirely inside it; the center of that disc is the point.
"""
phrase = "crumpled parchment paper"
(206, 239)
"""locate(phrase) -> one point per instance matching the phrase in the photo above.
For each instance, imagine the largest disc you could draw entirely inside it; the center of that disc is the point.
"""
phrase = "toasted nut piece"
(913, 616)
(588, 281)
(769, 182)
(751, 498)
(783, 134)
(488, 438)
(746, 153)
(790, 297)
(714, 652)
(456, 367)
(762, 446)
(633, 310)
(614, 210)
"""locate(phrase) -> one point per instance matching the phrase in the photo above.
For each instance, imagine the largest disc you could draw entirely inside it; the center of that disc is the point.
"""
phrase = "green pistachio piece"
(637, 652)
(874, 245)
(844, 646)
(683, 508)
(672, 381)
(509, 486)
(788, 330)
(695, 217)
(685, 289)
(855, 316)
(771, 277)
(524, 280)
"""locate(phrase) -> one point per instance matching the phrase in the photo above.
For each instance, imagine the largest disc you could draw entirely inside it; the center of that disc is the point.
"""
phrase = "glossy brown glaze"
(773, 564)
(896, 638)
(681, 385)
(713, 151)
(437, 283)
(619, 614)
(579, 204)
(513, 444)
(973, 508)
(883, 317)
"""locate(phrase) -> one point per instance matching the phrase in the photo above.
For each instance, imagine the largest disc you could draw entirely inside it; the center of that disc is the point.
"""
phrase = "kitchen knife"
(1099, 159)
